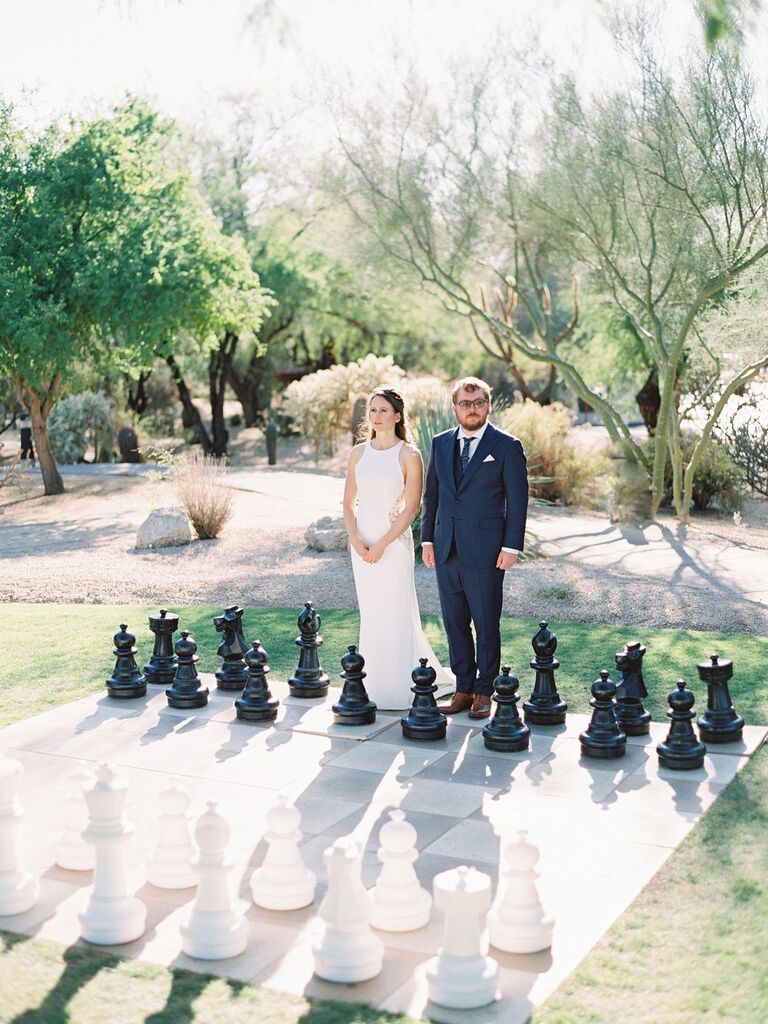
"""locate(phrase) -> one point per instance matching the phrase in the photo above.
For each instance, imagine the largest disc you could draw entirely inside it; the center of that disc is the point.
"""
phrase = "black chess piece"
(681, 750)
(231, 675)
(187, 690)
(309, 680)
(632, 717)
(126, 681)
(544, 706)
(719, 723)
(603, 737)
(256, 703)
(424, 720)
(354, 707)
(161, 667)
(506, 730)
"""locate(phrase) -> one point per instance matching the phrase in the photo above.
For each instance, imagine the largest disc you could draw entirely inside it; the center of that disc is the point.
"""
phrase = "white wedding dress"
(391, 637)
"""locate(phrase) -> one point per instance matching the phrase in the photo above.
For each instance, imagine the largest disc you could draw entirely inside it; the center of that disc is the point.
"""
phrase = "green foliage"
(81, 422)
(717, 481)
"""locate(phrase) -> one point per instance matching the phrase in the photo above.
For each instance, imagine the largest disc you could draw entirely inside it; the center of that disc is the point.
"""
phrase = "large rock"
(164, 527)
(327, 534)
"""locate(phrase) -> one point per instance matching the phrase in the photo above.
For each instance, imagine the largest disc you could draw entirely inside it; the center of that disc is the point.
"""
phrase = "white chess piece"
(461, 976)
(213, 930)
(72, 851)
(170, 866)
(110, 915)
(18, 888)
(517, 922)
(346, 950)
(398, 902)
(283, 882)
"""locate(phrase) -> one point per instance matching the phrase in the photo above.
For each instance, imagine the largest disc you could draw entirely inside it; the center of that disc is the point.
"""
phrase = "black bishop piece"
(424, 720)
(681, 750)
(309, 680)
(354, 707)
(506, 730)
(719, 723)
(161, 667)
(126, 681)
(544, 706)
(256, 703)
(187, 690)
(603, 737)
(632, 717)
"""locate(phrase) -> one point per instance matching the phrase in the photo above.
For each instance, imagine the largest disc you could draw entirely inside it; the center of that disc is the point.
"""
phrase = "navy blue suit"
(469, 520)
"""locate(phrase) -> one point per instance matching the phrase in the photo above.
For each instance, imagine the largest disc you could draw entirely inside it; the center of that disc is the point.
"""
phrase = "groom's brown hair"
(470, 384)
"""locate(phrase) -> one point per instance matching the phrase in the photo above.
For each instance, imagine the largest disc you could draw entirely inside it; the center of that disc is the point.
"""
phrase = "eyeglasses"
(477, 404)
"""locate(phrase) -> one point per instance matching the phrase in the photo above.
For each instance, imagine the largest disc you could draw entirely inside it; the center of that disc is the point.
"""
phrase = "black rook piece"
(544, 706)
(603, 737)
(161, 667)
(126, 681)
(309, 680)
(632, 717)
(506, 730)
(231, 675)
(719, 723)
(681, 750)
(256, 703)
(354, 706)
(187, 691)
(424, 721)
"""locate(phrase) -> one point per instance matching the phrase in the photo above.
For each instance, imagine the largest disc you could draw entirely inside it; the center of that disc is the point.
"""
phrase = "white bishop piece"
(517, 922)
(461, 976)
(72, 851)
(18, 889)
(346, 950)
(283, 882)
(110, 915)
(170, 866)
(213, 930)
(398, 903)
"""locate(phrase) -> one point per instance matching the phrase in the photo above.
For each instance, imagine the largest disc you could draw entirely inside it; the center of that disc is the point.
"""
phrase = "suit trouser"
(471, 595)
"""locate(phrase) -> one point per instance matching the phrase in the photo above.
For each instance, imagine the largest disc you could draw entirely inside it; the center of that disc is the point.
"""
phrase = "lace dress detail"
(406, 537)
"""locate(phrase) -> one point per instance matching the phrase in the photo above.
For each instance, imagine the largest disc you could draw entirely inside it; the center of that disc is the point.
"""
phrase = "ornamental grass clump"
(199, 482)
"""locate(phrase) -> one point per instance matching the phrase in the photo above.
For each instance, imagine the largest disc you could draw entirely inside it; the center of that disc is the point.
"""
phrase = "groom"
(472, 530)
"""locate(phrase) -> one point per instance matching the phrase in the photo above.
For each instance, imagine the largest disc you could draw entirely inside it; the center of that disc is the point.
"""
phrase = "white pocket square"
(489, 458)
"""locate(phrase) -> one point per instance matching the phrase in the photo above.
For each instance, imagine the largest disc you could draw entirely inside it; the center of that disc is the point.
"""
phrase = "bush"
(198, 480)
(717, 482)
(80, 422)
(236, 420)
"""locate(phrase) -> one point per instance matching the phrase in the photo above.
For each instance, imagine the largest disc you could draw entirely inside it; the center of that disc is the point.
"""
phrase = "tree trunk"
(247, 388)
(38, 410)
(191, 415)
(137, 398)
(219, 365)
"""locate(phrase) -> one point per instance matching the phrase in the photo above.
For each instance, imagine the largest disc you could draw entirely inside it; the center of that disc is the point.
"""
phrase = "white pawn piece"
(517, 922)
(18, 889)
(170, 866)
(398, 902)
(213, 930)
(72, 851)
(461, 976)
(346, 950)
(283, 882)
(110, 915)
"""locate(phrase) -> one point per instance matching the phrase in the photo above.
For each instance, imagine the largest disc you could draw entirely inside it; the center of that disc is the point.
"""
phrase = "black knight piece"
(354, 707)
(424, 721)
(603, 737)
(632, 717)
(506, 730)
(126, 681)
(231, 675)
(544, 706)
(719, 723)
(187, 690)
(256, 703)
(681, 750)
(309, 680)
(161, 667)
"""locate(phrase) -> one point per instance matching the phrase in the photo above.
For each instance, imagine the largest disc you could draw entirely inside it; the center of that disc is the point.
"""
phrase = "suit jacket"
(487, 510)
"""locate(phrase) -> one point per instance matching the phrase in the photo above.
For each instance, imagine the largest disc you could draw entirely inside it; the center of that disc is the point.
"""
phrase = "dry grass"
(199, 483)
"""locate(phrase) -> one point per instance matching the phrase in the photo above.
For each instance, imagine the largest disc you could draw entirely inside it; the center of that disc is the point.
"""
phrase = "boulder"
(327, 534)
(164, 527)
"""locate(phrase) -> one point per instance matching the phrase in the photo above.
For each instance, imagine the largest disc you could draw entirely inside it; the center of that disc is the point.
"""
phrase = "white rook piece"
(110, 915)
(170, 866)
(18, 889)
(283, 882)
(72, 851)
(461, 976)
(213, 930)
(398, 902)
(346, 950)
(517, 922)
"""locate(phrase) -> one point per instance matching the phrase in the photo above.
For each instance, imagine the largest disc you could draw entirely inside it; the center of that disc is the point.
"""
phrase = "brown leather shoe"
(481, 706)
(459, 702)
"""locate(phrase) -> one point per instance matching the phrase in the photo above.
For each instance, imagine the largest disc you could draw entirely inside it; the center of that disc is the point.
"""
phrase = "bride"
(382, 495)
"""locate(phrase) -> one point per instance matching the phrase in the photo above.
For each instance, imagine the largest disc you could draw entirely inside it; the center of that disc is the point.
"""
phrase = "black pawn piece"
(161, 667)
(544, 706)
(309, 680)
(187, 691)
(506, 730)
(602, 737)
(126, 681)
(256, 703)
(231, 675)
(681, 750)
(719, 723)
(354, 707)
(424, 721)
(632, 717)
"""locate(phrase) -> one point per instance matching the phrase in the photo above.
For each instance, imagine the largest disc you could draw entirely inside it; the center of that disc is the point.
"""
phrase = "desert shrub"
(717, 482)
(199, 483)
(236, 420)
(80, 422)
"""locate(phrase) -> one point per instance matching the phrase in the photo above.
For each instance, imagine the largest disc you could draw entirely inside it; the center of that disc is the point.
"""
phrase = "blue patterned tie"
(464, 457)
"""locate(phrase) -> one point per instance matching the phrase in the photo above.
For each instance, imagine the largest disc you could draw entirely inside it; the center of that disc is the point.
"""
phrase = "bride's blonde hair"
(395, 399)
